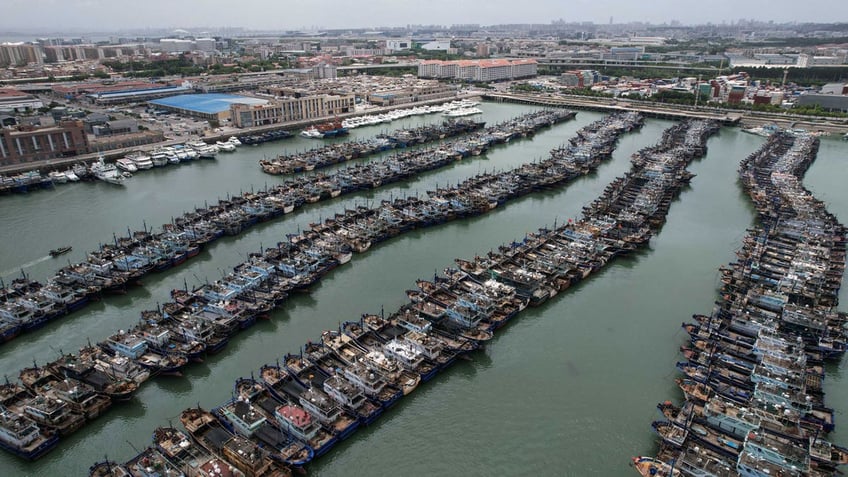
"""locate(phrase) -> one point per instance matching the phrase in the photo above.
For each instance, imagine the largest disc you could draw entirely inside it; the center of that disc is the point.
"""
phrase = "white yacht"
(203, 150)
(126, 164)
(171, 154)
(141, 160)
(311, 133)
(71, 175)
(107, 172)
(234, 141)
(462, 112)
(226, 146)
(159, 158)
(57, 177)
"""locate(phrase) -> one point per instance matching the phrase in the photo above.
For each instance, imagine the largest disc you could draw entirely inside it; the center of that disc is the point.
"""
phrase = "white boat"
(141, 160)
(234, 141)
(57, 177)
(462, 112)
(71, 175)
(764, 131)
(226, 146)
(184, 153)
(159, 158)
(126, 164)
(80, 170)
(311, 133)
(203, 150)
(107, 172)
(171, 154)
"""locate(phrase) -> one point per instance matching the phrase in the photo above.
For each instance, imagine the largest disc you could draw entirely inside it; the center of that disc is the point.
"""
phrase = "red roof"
(10, 93)
(295, 414)
(481, 63)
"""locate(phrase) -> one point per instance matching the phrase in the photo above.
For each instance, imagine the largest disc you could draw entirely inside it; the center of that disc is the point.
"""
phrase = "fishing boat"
(22, 437)
(252, 415)
(650, 467)
(108, 468)
(59, 251)
(239, 451)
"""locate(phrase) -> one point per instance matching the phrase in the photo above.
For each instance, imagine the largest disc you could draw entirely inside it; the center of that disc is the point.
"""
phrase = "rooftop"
(206, 103)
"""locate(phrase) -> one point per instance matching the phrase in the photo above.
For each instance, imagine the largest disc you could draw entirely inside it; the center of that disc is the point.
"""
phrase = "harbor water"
(569, 388)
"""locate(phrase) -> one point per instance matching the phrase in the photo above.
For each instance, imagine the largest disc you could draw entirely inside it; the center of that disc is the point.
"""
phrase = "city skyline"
(102, 15)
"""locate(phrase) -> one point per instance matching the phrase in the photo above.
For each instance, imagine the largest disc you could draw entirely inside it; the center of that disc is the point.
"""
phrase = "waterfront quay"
(56, 164)
(576, 338)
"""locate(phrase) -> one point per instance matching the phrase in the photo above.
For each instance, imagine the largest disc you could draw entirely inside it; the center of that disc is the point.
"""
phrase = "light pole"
(697, 91)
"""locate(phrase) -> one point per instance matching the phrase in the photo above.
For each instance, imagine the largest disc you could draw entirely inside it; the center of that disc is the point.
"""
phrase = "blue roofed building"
(211, 106)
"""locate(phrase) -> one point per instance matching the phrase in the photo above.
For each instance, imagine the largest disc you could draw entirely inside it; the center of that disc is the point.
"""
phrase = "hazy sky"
(110, 15)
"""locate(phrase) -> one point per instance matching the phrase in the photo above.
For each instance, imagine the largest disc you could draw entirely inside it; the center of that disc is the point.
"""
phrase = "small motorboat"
(59, 251)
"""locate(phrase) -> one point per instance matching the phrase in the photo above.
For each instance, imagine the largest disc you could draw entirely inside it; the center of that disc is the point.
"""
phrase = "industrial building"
(137, 95)
(828, 102)
(212, 107)
(426, 91)
(291, 109)
(14, 100)
(23, 144)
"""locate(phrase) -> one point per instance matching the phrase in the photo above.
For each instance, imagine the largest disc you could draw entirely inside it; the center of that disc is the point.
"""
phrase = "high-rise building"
(20, 54)
(478, 70)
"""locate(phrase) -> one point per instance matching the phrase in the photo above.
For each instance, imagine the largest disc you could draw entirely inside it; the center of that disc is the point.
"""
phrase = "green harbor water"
(569, 388)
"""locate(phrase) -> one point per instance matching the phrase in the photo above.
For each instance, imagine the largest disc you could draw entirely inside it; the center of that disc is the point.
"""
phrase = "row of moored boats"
(754, 368)
(120, 170)
(202, 321)
(345, 151)
(301, 406)
(449, 109)
(28, 305)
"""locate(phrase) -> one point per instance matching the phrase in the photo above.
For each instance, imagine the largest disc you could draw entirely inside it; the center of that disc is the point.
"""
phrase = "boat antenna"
(133, 447)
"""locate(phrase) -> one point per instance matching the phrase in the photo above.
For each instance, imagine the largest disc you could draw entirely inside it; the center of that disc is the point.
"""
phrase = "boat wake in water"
(12, 271)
